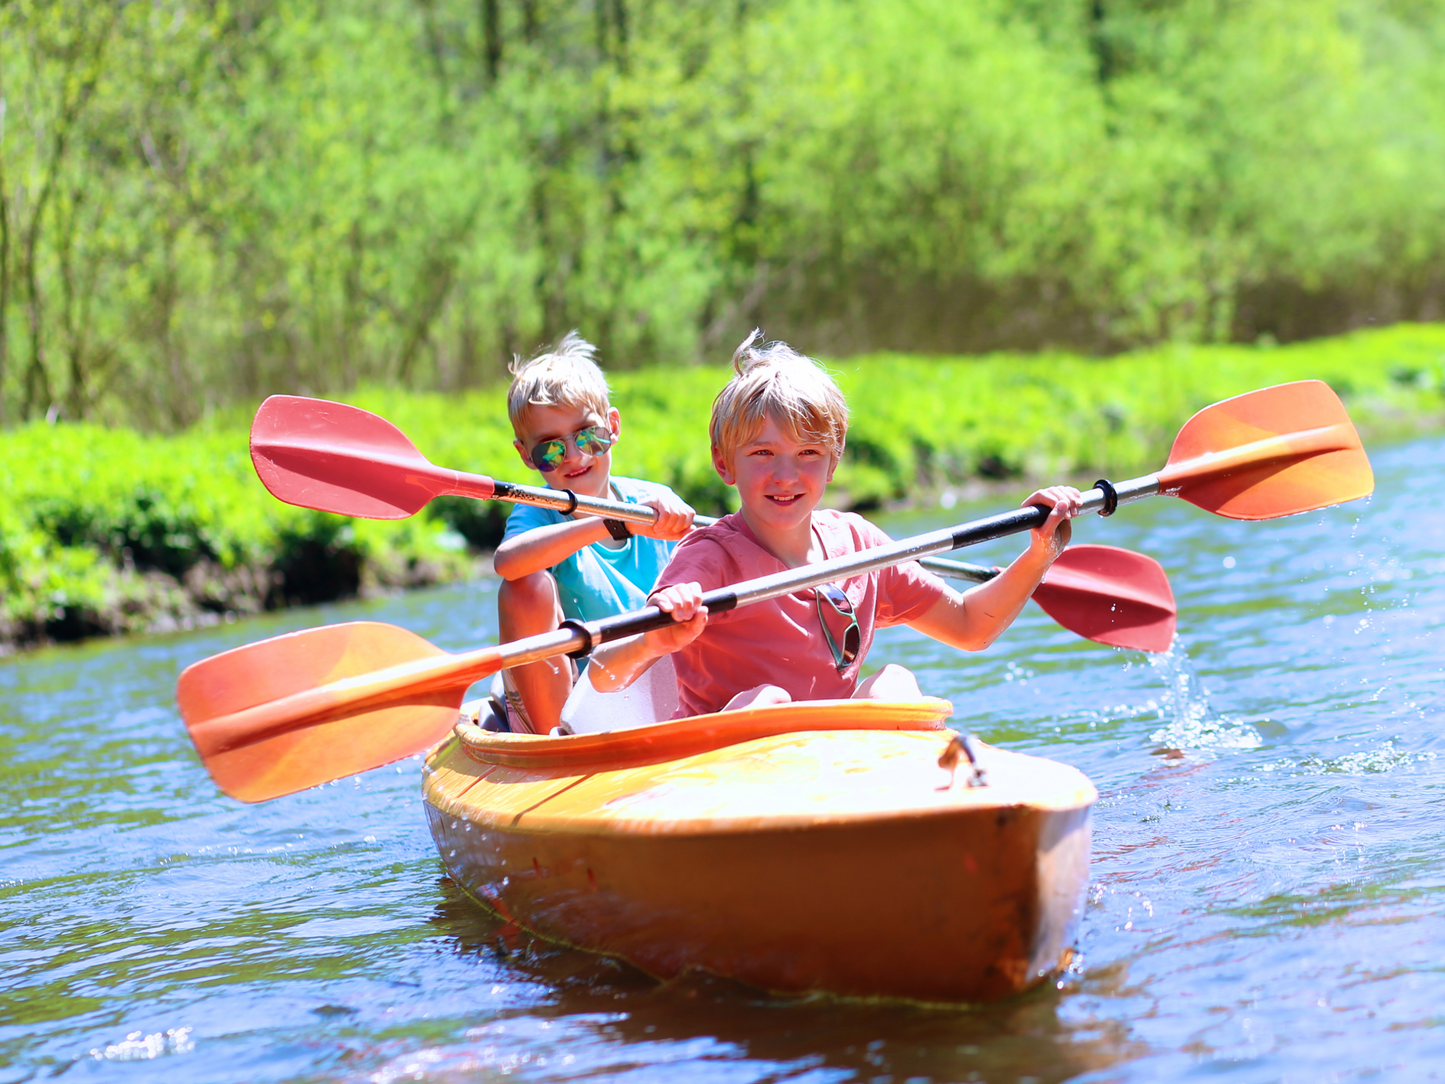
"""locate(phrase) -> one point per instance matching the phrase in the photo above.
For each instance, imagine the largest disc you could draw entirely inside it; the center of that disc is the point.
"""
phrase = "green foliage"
(921, 423)
(935, 422)
(107, 530)
(202, 204)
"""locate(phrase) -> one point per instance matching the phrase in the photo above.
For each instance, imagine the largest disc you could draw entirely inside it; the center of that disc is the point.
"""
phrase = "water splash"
(137, 1046)
(1386, 757)
(1191, 724)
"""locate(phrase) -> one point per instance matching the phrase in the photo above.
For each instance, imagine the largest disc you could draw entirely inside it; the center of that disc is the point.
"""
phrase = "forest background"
(205, 201)
(202, 203)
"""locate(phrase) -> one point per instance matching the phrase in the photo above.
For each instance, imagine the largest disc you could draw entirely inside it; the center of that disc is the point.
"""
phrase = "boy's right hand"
(689, 615)
(1050, 538)
(674, 519)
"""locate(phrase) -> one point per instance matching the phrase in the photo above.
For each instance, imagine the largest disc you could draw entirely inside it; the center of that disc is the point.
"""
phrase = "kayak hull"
(799, 860)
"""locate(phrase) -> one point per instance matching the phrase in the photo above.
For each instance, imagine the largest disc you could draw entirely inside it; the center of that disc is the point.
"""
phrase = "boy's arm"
(617, 665)
(975, 619)
(543, 547)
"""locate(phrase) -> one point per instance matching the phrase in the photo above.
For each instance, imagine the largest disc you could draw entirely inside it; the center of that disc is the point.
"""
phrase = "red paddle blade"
(303, 709)
(1275, 452)
(339, 458)
(1111, 595)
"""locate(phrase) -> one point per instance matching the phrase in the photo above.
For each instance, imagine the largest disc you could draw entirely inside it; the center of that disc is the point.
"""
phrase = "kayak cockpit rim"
(701, 733)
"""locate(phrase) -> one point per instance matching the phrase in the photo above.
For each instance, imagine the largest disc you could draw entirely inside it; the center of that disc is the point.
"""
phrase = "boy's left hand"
(674, 519)
(1064, 502)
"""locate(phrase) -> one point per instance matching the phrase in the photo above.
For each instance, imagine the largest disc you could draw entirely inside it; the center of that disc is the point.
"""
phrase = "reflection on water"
(1265, 903)
(718, 1024)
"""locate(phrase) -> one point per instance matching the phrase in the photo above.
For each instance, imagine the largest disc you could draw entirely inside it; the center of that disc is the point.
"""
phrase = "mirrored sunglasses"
(594, 440)
(852, 637)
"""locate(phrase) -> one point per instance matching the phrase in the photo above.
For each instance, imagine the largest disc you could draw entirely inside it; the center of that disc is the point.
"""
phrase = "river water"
(1265, 903)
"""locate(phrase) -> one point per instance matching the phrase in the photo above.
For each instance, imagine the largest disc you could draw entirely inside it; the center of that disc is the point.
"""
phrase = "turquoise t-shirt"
(598, 581)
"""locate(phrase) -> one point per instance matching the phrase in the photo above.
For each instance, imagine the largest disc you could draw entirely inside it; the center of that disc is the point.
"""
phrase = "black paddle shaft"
(579, 638)
(593, 634)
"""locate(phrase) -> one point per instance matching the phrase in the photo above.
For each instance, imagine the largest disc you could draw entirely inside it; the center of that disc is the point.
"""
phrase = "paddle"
(1286, 449)
(342, 459)
(287, 713)
(1103, 593)
(298, 710)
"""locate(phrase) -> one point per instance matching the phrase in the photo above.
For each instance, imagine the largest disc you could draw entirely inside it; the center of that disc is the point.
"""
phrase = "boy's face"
(577, 471)
(779, 479)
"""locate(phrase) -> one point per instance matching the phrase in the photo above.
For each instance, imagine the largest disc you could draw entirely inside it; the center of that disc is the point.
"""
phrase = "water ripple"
(1267, 900)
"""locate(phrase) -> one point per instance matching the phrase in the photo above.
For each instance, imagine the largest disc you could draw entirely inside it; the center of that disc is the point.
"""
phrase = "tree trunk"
(39, 392)
(492, 38)
(4, 272)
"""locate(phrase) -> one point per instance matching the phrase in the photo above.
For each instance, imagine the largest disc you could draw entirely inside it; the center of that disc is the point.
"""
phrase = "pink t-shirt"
(780, 642)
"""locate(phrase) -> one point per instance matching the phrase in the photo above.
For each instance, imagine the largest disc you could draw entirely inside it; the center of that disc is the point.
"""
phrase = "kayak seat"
(496, 721)
(652, 698)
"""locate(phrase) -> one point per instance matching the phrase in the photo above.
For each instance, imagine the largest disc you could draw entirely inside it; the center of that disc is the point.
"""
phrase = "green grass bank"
(106, 531)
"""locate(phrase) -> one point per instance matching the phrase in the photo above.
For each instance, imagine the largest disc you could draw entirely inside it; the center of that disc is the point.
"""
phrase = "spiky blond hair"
(772, 380)
(565, 376)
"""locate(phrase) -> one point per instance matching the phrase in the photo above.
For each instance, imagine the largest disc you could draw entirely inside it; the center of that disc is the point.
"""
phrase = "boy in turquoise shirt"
(553, 566)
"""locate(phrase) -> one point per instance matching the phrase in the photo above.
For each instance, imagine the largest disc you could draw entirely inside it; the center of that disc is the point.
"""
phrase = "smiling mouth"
(781, 498)
(579, 472)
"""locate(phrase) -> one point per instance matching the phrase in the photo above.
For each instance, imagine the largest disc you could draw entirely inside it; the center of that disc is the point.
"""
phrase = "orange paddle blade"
(342, 459)
(303, 709)
(1111, 595)
(1275, 452)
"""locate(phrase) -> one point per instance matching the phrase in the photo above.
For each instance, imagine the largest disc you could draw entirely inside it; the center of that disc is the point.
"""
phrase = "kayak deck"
(800, 847)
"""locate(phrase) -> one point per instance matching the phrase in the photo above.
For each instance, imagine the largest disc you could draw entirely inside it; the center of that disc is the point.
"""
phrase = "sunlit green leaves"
(206, 204)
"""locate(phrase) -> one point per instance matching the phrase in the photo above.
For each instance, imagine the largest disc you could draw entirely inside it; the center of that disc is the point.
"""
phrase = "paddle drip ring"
(1111, 497)
(577, 626)
(572, 502)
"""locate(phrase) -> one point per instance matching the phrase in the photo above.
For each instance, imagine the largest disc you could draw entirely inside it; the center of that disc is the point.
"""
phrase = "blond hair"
(772, 380)
(565, 376)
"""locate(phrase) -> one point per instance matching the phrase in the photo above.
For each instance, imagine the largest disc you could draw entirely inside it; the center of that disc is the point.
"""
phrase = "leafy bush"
(920, 422)
(105, 531)
(108, 531)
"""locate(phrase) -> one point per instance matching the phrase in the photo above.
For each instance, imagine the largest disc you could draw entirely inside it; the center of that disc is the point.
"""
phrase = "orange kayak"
(804, 847)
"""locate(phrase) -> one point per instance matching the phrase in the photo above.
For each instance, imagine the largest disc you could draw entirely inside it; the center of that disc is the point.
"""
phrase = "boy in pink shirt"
(777, 433)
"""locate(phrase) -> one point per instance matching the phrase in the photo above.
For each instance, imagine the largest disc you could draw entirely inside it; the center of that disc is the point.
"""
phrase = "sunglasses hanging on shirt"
(844, 654)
